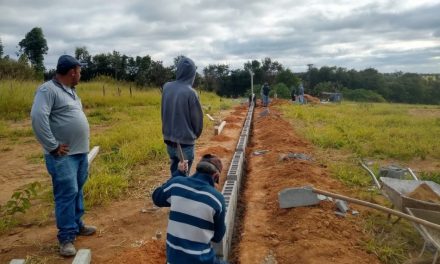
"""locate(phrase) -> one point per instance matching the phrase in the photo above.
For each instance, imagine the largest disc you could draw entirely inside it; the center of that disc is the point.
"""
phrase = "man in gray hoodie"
(182, 116)
(62, 129)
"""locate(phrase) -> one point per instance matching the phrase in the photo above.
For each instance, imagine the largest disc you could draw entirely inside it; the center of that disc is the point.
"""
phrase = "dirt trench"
(266, 234)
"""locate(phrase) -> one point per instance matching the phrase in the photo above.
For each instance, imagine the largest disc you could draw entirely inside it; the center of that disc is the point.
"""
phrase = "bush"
(362, 95)
(11, 69)
(282, 91)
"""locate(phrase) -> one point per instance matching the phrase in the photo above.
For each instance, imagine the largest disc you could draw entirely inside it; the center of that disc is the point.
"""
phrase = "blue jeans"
(265, 100)
(69, 174)
(188, 154)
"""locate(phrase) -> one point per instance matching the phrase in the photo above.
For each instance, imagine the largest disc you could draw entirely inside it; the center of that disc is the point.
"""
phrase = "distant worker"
(293, 94)
(61, 127)
(182, 116)
(197, 213)
(301, 93)
(265, 94)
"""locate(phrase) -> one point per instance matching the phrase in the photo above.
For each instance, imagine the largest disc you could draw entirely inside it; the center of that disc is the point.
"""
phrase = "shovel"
(307, 195)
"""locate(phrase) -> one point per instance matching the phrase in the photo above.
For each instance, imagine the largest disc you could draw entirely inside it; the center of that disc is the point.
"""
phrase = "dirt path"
(301, 235)
(268, 234)
(19, 165)
(124, 232)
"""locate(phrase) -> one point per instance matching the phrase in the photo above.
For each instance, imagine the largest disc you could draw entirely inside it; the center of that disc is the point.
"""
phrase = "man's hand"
(183, 166)
(61, 150)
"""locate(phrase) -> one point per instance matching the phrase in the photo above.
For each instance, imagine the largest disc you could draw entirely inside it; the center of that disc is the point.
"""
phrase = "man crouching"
(197, 213)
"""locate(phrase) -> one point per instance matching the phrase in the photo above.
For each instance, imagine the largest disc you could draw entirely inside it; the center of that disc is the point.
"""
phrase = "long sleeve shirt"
(58, 118)
(197, 217)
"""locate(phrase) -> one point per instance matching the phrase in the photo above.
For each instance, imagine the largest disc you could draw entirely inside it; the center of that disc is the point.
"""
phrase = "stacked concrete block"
(242, 143)
(236, 169)
(230, 192)
(231, 189)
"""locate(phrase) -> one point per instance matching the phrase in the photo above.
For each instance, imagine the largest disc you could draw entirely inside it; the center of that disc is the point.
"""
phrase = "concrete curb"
(231, 189)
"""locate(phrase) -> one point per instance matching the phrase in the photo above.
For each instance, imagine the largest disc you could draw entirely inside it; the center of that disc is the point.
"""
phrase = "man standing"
(265, 92)
(301, 93)
(182, 116)
(62, 129)
(197, 213)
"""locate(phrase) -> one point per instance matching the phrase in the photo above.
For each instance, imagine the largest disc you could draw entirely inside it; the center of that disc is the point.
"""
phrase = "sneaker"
(67, 249)
(87, 230)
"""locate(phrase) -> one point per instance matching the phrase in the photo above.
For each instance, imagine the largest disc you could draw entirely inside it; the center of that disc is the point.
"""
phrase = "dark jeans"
(69, 174)
(188, 154)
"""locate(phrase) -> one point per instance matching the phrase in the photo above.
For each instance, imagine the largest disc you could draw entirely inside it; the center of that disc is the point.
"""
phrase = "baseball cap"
(66, 62)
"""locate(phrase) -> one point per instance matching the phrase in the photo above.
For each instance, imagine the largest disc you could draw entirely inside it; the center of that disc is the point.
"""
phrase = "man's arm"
(196, 114)
(219, 224)
(40, 113)
(161, 194)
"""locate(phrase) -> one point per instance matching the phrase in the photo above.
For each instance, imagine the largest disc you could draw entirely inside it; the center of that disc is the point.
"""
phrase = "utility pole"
(252, 98)
(310, 65)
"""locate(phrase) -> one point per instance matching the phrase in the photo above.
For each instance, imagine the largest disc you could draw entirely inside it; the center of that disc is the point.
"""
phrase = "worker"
(181, 112)
(197, 212)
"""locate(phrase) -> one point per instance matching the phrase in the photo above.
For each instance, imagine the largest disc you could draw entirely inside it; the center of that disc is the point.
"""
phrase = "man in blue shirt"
(197, 212)
(61, 127)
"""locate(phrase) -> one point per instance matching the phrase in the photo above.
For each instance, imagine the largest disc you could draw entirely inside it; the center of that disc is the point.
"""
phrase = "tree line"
(363, 85)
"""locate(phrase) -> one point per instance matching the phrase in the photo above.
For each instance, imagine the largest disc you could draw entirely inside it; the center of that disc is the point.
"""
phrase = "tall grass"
(126, 126)
(349, 131)
(371, 130)
(16, 98)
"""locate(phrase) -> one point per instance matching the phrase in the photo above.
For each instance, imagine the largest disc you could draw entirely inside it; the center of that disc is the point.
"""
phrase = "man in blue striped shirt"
(197, 213)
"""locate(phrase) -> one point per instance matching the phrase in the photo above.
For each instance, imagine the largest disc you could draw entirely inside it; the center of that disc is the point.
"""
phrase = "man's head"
(70, 69)
(210, 164)
(186, 70)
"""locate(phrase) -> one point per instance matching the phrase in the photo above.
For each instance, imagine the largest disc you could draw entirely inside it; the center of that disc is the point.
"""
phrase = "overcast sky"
(389, 35)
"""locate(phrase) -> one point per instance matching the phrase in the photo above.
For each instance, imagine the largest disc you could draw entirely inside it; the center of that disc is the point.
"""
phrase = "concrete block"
(223, 248)
(92, 154)
(342, 206)
(83, 256)
(218, 129)
(296, 197)
(235, 171)
(17, 261)
(242, 143)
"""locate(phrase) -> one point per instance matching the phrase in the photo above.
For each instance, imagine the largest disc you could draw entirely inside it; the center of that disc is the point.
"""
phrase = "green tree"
(34, 45)
(83, 55)
(1, 48)
(281, 90)
(288, 78)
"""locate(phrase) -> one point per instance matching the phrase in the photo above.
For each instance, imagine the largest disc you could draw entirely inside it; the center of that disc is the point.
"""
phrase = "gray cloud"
(388, 35)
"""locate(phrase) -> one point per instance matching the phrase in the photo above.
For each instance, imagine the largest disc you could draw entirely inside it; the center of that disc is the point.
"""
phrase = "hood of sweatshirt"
(186, 71)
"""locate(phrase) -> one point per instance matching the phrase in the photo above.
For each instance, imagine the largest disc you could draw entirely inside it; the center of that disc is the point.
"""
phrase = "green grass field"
(382, 133)
(127, 127)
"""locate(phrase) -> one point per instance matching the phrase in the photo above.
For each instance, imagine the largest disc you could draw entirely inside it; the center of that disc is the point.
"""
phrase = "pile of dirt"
(232, 119)
(424, 193)
(311, 99)
(218, 150)
(152, 252)
(221, 138)
(297, 235)
(231, 125)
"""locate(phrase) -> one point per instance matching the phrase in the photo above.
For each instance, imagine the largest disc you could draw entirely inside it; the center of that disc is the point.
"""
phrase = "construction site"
(272, 216)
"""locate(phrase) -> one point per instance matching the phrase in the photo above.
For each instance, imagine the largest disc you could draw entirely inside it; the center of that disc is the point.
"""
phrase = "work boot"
(67, 249)
(87, 230)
